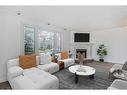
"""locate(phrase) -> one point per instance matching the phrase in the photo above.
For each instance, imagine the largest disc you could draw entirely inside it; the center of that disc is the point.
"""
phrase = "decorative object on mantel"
(70, 54)
(102, 51)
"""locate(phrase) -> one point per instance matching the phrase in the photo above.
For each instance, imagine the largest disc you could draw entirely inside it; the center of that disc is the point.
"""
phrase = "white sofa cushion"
(23, 82)
(37, 60)
(51, 67)
(30, 71)
(44, 80)
(12, 62)
(15, 71)
(44, 59)
(39, 82)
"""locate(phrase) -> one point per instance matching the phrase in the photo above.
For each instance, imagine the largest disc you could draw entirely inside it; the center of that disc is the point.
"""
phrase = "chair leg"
(109, 75)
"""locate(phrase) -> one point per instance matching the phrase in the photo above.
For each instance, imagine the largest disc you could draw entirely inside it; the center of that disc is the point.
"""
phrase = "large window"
(29, 40)
(46, 41)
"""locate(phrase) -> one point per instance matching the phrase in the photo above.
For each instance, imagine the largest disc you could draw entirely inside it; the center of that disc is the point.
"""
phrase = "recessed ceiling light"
(18, 13)
(65, 28)
(49, 24)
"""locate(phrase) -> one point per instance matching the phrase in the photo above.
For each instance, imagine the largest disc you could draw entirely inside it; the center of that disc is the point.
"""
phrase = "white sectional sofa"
(33, 78)
(39, 77)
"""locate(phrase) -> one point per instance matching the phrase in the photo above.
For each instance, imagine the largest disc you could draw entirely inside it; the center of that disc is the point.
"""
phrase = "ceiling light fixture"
(65, 28)
(18, 13)
(49, 24)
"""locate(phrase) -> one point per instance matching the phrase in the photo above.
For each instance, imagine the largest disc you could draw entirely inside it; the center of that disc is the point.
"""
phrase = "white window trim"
(36, 28)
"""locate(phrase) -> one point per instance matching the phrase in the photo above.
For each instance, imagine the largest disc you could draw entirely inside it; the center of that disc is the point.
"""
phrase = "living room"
(59, 26)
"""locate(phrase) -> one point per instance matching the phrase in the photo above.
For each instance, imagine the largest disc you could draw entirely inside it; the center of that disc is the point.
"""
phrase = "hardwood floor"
(5, 85)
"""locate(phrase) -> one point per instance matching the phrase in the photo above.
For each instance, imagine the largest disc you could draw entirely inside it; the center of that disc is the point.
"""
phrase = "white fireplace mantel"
(80, 45)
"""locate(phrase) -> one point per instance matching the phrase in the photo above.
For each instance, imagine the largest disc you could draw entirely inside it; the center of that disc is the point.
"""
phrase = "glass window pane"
(45, 41)
(57, 42)
(48, 42)
(29, 40)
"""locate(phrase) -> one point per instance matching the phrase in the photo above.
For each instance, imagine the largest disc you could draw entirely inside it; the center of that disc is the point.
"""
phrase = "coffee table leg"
(76, 78)
(91, 76)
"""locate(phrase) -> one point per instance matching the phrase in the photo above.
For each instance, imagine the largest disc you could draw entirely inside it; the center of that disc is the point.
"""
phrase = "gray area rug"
(101, 81)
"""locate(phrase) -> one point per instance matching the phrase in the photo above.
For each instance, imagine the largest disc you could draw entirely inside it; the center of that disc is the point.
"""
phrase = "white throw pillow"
(37, 60)
(15, 71)
(13, 62)
(49, 58)
(45, 59)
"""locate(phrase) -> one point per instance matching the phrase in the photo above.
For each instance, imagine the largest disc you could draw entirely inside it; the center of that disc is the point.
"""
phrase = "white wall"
(9, 41)
(1, 44)
(116, 42)
(66, 41)
(11, 38)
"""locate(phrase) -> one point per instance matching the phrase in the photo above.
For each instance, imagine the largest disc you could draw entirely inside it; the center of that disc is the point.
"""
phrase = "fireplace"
(82, 52)
(83, 48)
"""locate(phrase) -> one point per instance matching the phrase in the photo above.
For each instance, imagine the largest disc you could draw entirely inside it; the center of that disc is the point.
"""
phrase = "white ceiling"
(80, 18)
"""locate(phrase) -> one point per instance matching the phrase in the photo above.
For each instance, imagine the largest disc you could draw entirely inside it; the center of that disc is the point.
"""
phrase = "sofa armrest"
(15, 71)
(116, 67)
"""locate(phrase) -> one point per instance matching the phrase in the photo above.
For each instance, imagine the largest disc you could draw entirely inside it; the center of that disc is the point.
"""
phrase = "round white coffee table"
(81, 70)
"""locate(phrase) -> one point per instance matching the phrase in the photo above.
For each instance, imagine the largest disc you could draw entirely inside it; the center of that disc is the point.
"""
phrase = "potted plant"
(102, 51)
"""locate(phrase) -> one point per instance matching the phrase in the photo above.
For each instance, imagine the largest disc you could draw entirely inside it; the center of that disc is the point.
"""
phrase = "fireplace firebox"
(81, 51)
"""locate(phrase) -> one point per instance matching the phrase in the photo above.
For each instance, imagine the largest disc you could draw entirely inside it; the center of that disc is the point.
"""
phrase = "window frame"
(36, 28)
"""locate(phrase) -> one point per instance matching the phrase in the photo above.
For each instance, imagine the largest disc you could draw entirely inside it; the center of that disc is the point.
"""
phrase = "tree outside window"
(45, 41)
(29, 40)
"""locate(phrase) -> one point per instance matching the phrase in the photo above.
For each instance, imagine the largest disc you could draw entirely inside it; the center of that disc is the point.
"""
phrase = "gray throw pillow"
(118, 71)
(125, 66)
